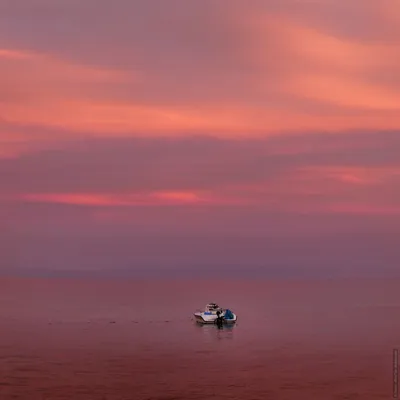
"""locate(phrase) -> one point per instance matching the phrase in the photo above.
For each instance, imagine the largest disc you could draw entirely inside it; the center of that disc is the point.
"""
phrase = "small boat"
(211, 313)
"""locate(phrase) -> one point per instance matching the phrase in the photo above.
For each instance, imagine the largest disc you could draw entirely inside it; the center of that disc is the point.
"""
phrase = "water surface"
(117, 340)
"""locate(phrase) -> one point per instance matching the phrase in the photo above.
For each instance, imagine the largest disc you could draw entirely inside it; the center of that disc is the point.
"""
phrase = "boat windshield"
(212, 306)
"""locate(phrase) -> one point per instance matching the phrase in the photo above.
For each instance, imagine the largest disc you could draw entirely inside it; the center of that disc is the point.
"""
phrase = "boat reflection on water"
(211, 328)
(213, 331)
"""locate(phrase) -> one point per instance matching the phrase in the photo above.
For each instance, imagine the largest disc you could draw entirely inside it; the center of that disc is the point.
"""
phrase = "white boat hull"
(209, 318)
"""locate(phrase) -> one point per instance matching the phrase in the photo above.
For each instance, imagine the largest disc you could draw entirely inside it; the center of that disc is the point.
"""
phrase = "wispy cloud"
(244, 118)
(14, 54)
(319, 173)
(269, 67)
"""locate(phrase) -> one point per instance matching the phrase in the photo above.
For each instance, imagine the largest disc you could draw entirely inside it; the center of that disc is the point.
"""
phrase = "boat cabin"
(212, 308)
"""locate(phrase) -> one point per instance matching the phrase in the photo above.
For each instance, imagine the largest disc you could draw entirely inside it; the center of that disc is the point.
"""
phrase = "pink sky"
(141, 135)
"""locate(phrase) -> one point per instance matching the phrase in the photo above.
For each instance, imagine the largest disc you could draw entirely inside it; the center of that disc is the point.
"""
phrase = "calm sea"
(134, 340)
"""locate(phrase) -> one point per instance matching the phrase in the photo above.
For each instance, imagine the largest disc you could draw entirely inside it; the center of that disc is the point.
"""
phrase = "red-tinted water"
(135, 340)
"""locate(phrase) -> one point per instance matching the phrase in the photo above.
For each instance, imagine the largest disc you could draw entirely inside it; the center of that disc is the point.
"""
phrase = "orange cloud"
(33, 82)
(353, 175)
(286, 74)
(121, 119)
(357, 208)
(302, 190)
(329, 69)
(14, 54)
(158, 198)
(297, 201)
(178, 196)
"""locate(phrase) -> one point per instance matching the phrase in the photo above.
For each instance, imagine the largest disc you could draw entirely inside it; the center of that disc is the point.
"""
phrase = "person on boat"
(219, 320)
